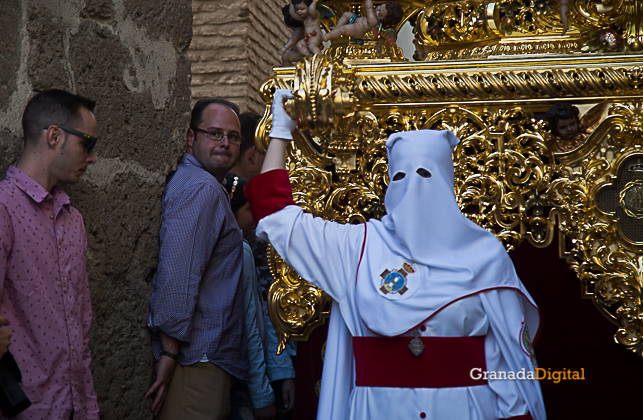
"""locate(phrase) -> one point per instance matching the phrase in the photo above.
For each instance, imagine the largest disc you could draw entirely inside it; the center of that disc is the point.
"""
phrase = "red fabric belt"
(445, 363)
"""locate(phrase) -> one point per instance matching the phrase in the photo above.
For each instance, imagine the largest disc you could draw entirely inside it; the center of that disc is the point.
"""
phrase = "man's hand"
(5, 336)
(288, 393)
(266, 413)
(163, 371)
(282, 124)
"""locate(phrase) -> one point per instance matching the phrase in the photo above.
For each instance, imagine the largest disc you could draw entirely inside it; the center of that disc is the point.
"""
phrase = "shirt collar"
(34, 190)
(188, 159)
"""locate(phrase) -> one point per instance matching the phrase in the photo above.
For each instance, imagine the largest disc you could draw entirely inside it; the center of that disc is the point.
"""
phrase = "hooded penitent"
(450, 255)
(425, 267)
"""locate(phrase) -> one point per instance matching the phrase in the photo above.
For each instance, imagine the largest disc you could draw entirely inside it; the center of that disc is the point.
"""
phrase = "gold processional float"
(489, 72)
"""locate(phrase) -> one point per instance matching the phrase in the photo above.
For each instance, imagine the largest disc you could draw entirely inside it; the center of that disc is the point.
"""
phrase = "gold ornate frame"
(510, 178)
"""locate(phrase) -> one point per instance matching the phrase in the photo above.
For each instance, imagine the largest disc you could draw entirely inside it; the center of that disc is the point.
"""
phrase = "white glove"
(282, 124)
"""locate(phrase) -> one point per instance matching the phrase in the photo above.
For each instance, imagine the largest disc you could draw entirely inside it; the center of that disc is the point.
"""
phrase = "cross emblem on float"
(395, 281)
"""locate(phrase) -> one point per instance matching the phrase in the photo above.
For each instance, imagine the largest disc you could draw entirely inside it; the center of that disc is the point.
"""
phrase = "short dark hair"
(561, 111)
(196, 117)
(248, 121)
(236, 191)
(49, 107)
(394, 13)
(289, 20)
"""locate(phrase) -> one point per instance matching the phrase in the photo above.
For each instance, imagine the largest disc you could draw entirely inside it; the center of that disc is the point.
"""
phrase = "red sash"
(446, 362)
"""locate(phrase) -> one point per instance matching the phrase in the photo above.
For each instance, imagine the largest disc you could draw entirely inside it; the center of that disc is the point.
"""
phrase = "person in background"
(266, 367)
(45, 291)
(196, 305)
(250, 160)
(249, 165)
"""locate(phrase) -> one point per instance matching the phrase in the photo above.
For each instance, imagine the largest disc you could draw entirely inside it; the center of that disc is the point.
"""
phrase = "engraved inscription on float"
(631, 199)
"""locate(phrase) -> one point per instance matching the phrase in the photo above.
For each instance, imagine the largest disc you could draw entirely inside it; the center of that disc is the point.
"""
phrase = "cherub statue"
(568, 130)
(563, 7)
(292, 20)
(312, 42)
(304, 17)
(356, 26)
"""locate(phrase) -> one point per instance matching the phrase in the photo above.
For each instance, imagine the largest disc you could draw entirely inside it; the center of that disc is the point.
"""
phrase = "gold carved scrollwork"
(601, 204)
(502, 168)
(312, 106)
(295, 306)
(467, 29)
(369, 51)
(476, 29)
(315, 103)
(507, 179)
(533, 79)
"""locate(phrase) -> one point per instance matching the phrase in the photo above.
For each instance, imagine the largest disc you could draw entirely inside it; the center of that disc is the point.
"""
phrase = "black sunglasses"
(92, 140)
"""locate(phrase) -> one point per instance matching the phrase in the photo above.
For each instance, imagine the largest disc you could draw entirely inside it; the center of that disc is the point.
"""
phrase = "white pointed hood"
(452, 256)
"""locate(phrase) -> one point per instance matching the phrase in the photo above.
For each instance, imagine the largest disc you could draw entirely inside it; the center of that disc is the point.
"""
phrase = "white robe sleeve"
(323, 253)
(506, 352)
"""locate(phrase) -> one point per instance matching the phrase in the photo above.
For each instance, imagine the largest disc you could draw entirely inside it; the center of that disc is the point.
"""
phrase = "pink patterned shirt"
(44, 293)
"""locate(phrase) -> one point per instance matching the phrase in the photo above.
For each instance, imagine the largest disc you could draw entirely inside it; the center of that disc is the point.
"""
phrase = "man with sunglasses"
(44, 291)
(196, 306)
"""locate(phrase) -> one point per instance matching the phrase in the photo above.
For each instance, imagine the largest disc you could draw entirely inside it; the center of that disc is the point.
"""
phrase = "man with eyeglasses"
(196, 306)
(44, 292)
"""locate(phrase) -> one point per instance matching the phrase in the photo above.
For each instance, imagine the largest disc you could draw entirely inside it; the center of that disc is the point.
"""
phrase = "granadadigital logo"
(538, 373)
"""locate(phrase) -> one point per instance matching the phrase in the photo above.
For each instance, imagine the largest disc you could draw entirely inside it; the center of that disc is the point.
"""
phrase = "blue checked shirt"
(197, 291)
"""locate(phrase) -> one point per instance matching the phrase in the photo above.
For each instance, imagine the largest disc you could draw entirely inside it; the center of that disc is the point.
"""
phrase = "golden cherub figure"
(356, 26)
(568, 130)
(305, 19)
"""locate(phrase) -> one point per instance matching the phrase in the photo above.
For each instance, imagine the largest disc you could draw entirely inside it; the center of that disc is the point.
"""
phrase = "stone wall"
(234, 47)
(130, 56)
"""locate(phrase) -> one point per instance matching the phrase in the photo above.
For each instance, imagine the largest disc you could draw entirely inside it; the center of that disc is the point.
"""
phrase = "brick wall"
(234, 47)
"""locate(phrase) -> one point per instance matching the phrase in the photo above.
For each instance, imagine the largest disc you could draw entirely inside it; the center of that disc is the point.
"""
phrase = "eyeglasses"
(92, 140)
(217, 135)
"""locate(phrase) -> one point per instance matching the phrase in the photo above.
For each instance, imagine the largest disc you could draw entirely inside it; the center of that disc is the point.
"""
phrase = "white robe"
(328, 255)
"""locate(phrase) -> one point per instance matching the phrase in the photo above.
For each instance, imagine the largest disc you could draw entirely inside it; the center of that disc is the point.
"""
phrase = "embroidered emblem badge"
(395, 281)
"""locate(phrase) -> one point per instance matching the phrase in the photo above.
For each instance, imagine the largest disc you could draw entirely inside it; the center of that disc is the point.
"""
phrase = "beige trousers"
(197, 392)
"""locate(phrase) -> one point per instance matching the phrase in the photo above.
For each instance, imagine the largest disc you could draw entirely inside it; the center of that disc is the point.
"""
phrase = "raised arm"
(298, 33)
(322, 252)
(281, 134)
(293, 12)
(312, 10)
(370, 14)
